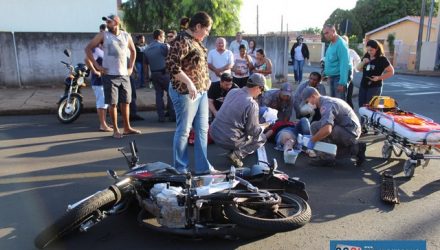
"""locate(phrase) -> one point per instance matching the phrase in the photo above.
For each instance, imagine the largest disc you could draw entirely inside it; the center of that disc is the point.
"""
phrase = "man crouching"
(236, 126)
(338, 124)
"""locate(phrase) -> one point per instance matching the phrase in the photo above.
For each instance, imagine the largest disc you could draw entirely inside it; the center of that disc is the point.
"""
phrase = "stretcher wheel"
(387, 149)
(409, 168)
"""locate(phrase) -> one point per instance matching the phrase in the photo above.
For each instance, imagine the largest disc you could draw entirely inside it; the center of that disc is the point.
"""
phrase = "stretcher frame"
(419, 152)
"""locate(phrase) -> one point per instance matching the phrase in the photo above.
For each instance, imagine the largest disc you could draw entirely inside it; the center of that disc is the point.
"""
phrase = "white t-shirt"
(219, 60)
(234, 46)
(298, 53)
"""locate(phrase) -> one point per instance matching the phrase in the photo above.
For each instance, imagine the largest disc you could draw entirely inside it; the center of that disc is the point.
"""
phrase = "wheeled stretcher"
(415, 135)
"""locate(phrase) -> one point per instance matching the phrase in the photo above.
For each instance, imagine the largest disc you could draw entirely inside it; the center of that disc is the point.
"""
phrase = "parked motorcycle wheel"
(75, 217)
(293, 212)
(70, 111)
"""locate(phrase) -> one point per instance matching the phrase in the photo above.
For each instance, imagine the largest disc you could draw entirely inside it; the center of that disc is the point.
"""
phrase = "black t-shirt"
(374, 68)
(139, 54)
(218, 94)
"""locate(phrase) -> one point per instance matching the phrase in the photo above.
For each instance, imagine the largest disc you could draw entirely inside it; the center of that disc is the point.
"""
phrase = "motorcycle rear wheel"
(293, 212)
(76, 106)
(72, 219)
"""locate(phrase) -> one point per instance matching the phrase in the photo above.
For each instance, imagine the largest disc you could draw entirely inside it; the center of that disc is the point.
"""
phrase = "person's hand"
(192, 90)
(374, 78)
(341, 88)
(101, 69)
(130, 71)
(365, 60)
(96, 72)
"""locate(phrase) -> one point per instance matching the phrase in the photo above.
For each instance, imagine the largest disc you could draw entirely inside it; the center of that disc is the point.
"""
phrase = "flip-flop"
(117, 135)
(133, 132)
(105, 130)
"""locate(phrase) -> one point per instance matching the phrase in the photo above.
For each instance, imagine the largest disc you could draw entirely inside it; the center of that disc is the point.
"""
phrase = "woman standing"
(376, 68)
(263, 65)
(242, 66)
(188, 67)
(252, 51)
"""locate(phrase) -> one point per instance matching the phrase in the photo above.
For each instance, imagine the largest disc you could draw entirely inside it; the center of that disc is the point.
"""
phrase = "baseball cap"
(111, 18)
(226, 77)
(286, 89)
(309, 91)
(256, 79)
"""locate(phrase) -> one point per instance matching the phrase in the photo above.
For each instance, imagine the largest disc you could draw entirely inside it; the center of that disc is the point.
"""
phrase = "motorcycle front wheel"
(73, 218)
(291, 213)
(69, 110)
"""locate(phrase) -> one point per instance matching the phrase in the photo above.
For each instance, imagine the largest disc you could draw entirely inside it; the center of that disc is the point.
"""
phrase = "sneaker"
(361, 153)
(319, 162)
(236, 161)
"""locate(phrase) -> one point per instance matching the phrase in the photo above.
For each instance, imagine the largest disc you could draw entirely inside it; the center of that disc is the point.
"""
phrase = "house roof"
(415, 19)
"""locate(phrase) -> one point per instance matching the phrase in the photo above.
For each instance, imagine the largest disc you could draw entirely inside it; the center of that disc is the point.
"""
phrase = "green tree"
(372, 14)
(340, 15)
(148, 15)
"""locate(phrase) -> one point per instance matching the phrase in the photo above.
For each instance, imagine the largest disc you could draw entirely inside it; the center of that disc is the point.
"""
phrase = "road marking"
(423, 93)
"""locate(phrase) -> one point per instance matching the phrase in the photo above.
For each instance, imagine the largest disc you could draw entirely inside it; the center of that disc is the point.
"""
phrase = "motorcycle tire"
(72, 219)
(64, 117)
(275, 222)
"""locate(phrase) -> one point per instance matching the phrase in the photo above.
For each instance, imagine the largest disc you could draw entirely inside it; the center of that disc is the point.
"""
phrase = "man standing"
(220, 60)
(279, 99)
(338, 124)
(236, 126)
(315, 82)
(115, 71)
(139, 63)
(155, 57)
(336, 64)
(235, 45)
(218, 91)
(299, 53)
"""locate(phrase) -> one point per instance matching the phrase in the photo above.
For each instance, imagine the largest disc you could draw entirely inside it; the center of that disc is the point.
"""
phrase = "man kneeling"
(236, 126)
(338, 124)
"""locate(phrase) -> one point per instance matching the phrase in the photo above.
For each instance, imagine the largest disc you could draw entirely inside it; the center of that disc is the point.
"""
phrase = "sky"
(297, 14)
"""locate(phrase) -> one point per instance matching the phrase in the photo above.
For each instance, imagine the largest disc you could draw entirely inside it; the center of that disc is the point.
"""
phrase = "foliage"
(390, 40)
(340, 15)
(368, 15)
(148, 15)
(375, 13)
(312, 31)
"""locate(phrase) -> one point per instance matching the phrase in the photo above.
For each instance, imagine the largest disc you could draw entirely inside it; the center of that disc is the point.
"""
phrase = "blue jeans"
(334, 82)
(190, 113)
(140, 74)
(298, 70)
(365, 94)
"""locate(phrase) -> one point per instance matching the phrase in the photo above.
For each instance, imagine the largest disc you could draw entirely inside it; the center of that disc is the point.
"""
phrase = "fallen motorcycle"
(70, 104)
(239, 203)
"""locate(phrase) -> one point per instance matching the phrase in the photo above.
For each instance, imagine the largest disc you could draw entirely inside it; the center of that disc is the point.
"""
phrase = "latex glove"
(310, 144)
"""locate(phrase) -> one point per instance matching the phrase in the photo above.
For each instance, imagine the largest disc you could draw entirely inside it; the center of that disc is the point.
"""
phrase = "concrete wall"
(54, 15)
(39, 56)
(8, 62)
(429, 58)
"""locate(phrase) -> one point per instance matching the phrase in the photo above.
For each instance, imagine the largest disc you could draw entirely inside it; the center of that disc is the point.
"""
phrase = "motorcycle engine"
(165, 205)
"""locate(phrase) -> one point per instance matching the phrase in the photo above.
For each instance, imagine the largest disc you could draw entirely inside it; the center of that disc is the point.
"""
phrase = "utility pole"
(420, 36)
(257, 22)
(281, 24)
(428, 30)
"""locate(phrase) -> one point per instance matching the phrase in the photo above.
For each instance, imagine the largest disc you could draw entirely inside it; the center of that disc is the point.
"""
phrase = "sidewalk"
(33, 101)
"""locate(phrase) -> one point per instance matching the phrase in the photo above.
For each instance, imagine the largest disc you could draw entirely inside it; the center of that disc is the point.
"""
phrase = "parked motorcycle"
(70, 105)
(240, 203)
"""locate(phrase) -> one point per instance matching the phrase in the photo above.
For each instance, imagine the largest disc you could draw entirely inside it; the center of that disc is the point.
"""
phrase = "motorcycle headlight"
(80, 80)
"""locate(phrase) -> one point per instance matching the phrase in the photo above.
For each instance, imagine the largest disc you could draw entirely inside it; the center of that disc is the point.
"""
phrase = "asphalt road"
(45, 165)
